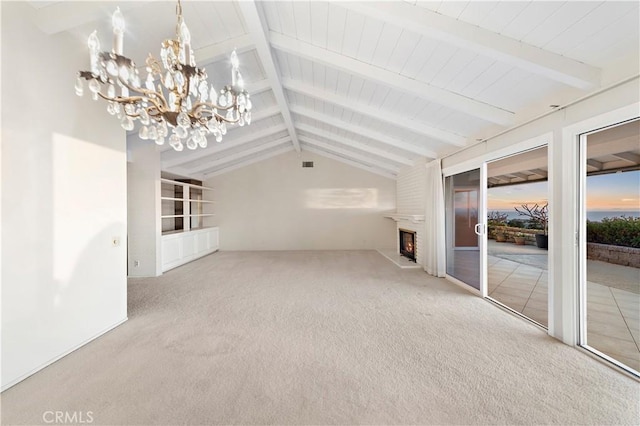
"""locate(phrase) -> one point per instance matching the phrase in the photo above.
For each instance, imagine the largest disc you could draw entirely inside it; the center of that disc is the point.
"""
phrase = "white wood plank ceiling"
(378, 84)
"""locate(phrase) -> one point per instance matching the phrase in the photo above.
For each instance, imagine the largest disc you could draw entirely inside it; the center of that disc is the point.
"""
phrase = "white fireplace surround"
(414, 223)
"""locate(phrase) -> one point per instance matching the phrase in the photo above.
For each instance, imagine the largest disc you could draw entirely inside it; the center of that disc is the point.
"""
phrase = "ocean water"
(592, 215)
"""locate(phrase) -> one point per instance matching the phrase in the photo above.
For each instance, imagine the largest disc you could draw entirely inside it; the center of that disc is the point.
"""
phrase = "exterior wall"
(278, 205)
(64, 204)
(627, 256)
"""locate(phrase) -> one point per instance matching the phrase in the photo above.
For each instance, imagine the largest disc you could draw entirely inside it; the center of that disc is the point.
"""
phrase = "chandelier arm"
(210, 105)
(129, 100)
(146, 93)
(217, 116)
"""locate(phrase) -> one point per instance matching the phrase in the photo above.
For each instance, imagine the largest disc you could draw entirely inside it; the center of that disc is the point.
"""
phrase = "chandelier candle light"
(191, 108)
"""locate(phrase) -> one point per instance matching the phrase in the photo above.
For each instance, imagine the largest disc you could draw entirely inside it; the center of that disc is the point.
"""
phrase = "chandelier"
(175, 102)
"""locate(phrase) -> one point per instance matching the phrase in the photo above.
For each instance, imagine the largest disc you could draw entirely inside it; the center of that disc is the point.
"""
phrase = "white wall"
(143, 206)
(278, 205)
(63, 200)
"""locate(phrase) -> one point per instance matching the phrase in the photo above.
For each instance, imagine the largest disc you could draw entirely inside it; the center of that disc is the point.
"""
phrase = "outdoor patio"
(517, 277)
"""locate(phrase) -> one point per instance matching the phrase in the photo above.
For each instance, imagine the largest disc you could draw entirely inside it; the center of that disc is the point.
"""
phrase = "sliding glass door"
(610, 246)
(463, 201)
(517, 253)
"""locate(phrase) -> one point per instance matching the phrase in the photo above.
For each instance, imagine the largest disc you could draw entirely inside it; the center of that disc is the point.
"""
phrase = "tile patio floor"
(517, 277)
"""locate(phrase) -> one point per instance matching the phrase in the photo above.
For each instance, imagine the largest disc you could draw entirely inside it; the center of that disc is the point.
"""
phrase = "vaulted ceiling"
(376, 84)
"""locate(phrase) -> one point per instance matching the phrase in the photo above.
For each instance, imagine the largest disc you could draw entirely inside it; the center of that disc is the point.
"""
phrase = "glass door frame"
(480, 162)
(480, 228)
(581, 302)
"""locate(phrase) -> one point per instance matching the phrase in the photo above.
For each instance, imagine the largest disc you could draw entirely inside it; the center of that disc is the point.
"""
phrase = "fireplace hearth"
(408, 244)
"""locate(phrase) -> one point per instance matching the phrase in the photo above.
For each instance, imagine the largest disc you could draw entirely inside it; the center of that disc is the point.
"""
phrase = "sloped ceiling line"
(354, 144)
(251, 16)
(443, 97)
(249, 161)
(380, 163)
(210, 166)
(488, 43)
(214, 149)
(361, 108)
(386, 139)
(352, 163)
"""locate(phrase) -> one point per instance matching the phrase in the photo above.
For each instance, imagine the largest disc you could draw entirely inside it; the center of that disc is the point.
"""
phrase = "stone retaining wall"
(627, 256)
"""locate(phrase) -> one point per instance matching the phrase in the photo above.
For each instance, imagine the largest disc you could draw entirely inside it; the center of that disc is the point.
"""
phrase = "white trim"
(567, 327)
(52, 360)
(582, 241)
(512, 149)
(482, 238)
(413, 218)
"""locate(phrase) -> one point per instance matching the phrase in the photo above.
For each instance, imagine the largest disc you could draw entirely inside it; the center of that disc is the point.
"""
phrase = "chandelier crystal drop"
(173, 100)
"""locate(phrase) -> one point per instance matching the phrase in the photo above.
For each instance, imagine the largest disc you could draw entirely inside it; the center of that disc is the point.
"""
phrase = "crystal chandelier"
(175, 102)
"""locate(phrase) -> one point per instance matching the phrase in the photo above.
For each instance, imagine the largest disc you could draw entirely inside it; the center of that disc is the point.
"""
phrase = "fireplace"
(408, 244)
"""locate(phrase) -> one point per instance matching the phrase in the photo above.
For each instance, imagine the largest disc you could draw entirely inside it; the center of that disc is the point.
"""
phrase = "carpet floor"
(321, 337)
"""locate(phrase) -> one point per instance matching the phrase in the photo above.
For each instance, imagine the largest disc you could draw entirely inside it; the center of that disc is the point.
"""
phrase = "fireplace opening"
(408, 244)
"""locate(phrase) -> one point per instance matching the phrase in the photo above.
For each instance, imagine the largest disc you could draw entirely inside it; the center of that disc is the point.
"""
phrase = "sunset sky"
(617, 191)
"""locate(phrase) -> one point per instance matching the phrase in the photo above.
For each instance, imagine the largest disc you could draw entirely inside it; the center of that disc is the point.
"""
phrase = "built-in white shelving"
(183, 206)
(184, 236)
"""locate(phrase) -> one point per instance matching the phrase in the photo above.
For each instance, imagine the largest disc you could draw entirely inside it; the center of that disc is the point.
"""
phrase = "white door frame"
(581, 302)
(480, 162)
(568, 238)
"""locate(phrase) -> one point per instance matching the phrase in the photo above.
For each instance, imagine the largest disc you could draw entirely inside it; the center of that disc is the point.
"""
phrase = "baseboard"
(51, 361)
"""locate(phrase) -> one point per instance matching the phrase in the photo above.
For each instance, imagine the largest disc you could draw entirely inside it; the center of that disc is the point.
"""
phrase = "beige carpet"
(321, 338)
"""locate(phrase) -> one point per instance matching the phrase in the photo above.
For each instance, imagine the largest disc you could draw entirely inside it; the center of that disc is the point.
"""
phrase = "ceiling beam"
(250, 161)
(595, 164)
(540, 172)
(350, 154)
(521, 176)
(364, 109)
(215, 52)
(386, 139)
(214, 149)
(482, 41)
(238, 155)
(628, 156)
(352, 163)
(260, 115)
(354, 144)
(353, 66)
(249, 11)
